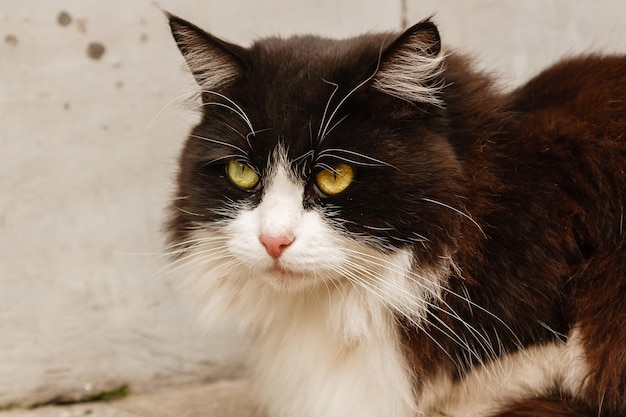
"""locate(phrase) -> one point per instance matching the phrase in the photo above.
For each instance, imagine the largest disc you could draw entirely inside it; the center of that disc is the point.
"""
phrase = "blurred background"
(91, 122)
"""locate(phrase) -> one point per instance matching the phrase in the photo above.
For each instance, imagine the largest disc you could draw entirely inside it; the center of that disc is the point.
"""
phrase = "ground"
(228, 398)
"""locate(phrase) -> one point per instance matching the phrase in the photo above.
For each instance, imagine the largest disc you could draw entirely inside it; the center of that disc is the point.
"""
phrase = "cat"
(397, 236)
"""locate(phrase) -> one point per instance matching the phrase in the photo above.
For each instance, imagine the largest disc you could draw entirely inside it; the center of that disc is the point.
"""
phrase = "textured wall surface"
(515, 39)
(91, 121)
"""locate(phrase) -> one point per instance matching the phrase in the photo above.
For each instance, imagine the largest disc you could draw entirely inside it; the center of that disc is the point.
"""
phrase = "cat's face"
(316, 160)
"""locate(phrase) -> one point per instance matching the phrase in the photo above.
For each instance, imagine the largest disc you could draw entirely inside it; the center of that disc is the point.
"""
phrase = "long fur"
(474, 266)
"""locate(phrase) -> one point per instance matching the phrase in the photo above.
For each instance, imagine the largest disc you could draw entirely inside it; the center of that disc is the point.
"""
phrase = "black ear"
(410, 66)
(214, 63)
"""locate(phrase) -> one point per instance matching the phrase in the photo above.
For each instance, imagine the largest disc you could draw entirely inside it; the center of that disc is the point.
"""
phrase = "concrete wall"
(515, 39)
(91, 122)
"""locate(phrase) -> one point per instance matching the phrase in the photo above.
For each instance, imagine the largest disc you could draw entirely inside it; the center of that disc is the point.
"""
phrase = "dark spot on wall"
(66, 105)
(95, 50)
(11, 40)
(119, 84)
(144, 37)
(64, 18)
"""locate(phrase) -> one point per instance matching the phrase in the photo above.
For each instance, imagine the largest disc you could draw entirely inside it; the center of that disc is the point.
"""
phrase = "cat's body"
(465, 256)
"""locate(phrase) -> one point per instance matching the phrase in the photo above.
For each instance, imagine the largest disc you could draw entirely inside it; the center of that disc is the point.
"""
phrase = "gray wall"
(88, 146)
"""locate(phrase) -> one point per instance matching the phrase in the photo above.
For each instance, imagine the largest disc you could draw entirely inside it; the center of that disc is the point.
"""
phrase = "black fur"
(535, 177)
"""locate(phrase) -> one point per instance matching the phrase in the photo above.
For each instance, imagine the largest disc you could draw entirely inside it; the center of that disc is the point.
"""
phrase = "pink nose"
(276, 245)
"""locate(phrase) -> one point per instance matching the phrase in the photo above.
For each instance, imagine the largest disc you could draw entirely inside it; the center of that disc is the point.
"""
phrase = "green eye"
(334, 181)
(241, 175)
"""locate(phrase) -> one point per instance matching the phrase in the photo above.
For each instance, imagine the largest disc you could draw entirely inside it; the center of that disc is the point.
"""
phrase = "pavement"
(225, 398)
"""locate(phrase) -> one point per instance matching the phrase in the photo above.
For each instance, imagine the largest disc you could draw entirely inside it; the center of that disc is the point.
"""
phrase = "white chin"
(284, 279)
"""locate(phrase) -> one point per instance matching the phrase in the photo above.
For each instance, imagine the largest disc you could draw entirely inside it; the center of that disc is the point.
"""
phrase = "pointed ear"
(410, 67)
(214, 63)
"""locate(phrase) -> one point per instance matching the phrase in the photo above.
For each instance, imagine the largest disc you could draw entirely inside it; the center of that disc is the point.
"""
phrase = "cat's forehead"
(308, 93)
(317, 52)
(302, 66)
(291, 82)
(287, 89)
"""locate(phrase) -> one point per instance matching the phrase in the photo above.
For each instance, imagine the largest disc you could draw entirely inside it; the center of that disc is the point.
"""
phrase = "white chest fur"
(304, 368)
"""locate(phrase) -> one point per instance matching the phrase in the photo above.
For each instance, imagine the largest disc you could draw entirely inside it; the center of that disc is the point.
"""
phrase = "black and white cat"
(397, 237)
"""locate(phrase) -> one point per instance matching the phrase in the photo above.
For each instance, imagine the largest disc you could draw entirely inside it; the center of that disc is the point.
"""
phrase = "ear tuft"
(411, 66)
(214, 63)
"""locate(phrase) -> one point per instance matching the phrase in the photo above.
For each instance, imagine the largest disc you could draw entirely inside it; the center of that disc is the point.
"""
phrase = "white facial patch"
(281, 210)
(315, 247)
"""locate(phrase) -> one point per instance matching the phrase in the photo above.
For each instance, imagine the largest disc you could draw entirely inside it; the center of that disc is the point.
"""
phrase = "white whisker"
(336, 124)
(221, 142)
(237, 109)
(325, 130)
(222, 158)
(480, 337)
(303, 156)
(353, 277)
(187, 211)
(319, 133)
(467, 216)
(376, 162)
(165, 107)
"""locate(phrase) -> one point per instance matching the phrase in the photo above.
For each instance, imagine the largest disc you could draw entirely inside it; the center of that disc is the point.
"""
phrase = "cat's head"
(316, 160)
